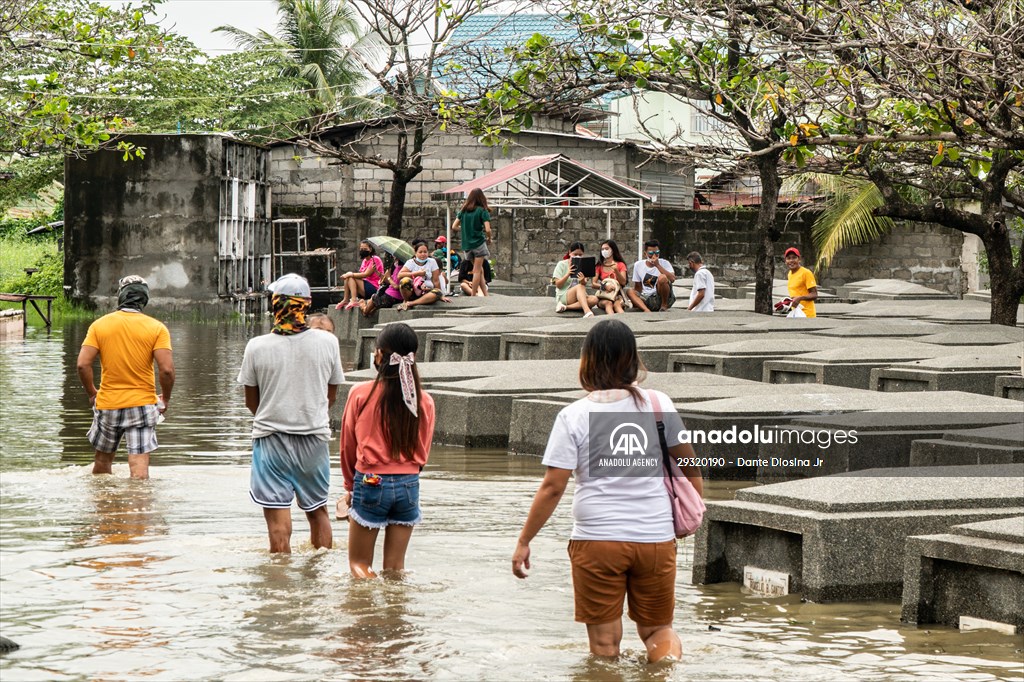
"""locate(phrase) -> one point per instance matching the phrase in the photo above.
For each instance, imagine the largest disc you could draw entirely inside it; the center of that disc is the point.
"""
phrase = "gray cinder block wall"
(923, 254)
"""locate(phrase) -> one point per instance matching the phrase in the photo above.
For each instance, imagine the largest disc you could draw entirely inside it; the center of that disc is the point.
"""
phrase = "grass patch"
(18, 252)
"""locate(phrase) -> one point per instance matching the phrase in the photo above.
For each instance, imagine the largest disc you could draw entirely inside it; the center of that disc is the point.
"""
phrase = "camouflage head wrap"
(289, 314)
(132, 293)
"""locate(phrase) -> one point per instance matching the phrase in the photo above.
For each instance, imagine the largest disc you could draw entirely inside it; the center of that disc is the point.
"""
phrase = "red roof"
(571, 171)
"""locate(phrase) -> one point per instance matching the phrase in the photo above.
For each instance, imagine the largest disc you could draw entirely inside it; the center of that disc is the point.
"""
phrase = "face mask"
(364, 254)
(420, 261)
(607, 253)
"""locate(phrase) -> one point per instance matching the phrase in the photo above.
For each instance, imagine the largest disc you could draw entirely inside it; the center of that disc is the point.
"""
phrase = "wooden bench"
(25, 299)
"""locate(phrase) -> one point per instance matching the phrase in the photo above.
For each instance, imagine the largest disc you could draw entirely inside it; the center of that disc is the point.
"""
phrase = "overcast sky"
(196, 19)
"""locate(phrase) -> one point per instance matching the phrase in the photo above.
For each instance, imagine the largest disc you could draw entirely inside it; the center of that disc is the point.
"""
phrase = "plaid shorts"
(138, 424)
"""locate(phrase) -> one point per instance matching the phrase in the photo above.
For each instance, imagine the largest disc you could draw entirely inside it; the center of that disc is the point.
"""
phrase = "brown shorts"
(604, 572)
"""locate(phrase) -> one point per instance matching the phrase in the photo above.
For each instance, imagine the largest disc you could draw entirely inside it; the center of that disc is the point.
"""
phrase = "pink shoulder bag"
(687, 505)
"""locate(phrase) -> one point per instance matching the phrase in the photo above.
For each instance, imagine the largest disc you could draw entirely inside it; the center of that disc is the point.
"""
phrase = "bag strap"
(666, 458)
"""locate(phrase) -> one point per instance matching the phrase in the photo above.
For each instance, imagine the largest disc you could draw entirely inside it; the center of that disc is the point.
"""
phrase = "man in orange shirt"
(803, 290)
(126, 405)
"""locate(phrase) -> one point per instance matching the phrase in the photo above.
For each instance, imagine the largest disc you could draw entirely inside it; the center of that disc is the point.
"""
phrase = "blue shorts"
(368, 289)
(395, 501)
(286, 466)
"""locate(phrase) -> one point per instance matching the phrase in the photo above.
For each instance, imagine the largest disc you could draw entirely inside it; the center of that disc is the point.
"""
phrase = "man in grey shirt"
(291, 378)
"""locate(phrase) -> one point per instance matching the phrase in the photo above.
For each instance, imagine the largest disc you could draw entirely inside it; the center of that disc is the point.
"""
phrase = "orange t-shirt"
(800, 283)
(126, 342)
(362, 439)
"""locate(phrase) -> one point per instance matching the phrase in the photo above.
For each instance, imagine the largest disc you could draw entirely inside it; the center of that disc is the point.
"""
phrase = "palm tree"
(316, 42)
(848, 218)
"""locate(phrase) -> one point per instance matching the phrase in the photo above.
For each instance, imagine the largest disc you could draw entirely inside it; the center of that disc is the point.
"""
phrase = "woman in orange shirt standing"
(385, 441)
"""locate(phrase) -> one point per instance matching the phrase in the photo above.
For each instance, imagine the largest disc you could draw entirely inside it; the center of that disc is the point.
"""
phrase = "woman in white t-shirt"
(623, 541)
(419, 280)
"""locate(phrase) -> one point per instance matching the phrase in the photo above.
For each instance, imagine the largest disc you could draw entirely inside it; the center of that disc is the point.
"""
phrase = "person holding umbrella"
(397, 252)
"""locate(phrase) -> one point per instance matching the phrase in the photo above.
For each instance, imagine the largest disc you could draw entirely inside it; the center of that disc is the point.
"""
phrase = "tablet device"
(585, 264)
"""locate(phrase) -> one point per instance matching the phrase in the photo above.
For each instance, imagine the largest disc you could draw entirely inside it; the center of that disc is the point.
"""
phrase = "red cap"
(790, 250)
(441, 240)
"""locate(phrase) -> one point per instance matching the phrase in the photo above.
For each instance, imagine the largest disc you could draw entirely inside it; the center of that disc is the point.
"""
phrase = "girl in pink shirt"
(386, 433)
(364, 283)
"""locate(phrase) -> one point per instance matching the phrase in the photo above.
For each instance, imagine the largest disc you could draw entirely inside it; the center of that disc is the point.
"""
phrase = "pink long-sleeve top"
(362, 440)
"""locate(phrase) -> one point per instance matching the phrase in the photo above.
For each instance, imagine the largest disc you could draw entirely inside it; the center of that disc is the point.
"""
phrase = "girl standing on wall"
(475, 222)
(386, 433)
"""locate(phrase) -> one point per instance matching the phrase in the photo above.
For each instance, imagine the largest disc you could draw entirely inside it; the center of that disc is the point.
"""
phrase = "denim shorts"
(395, 501)
(369, 289)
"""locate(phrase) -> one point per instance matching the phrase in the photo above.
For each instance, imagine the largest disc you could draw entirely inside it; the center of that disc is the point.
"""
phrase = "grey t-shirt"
(292, 373)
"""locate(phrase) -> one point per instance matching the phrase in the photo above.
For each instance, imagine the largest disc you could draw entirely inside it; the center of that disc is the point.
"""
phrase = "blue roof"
(486, 36)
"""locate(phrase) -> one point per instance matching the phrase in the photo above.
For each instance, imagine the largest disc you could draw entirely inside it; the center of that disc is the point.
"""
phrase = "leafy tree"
(926, 99)
(317, 42)
(414, 48)
(730, 63)
(49, 50)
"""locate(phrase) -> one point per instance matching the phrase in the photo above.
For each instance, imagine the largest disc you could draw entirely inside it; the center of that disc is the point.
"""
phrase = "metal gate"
(244, 231)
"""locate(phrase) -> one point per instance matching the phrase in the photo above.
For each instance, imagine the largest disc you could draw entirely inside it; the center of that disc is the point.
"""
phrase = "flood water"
(104, 578)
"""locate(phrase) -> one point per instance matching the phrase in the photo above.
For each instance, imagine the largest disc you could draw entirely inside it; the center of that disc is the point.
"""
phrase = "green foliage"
(30, 176)
(848, 218)
(12, 231)
(48, 281)
(315, 45)
(57, 51)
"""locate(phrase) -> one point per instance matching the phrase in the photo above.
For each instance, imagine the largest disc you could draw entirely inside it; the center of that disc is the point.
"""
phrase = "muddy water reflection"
(106, 578)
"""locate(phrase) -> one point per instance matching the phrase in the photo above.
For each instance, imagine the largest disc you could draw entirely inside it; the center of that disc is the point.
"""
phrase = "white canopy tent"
(550, 181)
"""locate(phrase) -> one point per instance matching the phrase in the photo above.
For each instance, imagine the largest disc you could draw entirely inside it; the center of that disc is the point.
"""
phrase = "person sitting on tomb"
(387, 295)
(418, 281)
(362, 284)
(571, 286)
(610, 278)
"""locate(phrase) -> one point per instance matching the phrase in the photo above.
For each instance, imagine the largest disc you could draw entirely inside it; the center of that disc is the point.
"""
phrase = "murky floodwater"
(105, 578)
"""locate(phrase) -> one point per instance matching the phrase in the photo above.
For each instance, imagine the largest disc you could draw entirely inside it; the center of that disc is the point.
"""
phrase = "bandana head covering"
(289, 314)
(132, 293)
(405, 363)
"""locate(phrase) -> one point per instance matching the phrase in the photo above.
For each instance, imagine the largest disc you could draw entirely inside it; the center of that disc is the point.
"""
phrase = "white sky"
(196, 19)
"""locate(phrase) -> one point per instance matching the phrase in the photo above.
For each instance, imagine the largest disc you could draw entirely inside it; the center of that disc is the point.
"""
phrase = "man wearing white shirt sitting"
(652, 280)
(702, 294)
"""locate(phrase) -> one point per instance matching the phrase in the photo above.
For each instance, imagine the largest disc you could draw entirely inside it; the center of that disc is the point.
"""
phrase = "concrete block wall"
(527, 242)
(924, 254)
(302, 178)
(920, 253)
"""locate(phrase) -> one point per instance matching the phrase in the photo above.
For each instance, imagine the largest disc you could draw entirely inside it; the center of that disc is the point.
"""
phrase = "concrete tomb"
(841, 538)
(971, 370)
(848, 365)
(472, 340)
(744, 359)
(970, 572)
(830, 444)
(532, 416)
(1010, 387)
(367, 340)
(990, 445)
